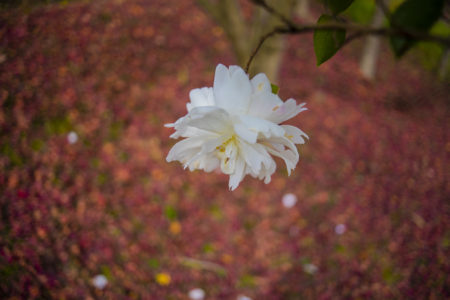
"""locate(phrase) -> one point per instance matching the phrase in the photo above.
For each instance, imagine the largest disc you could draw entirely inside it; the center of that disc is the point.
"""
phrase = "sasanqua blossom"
(235, 126)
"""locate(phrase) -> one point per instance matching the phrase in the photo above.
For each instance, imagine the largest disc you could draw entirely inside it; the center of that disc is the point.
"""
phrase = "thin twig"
(274, 12)
(260, 43)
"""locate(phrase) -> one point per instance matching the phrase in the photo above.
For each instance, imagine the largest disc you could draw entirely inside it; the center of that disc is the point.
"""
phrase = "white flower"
(289, 200)
(235, 125)
(100, 281)
(197, 294)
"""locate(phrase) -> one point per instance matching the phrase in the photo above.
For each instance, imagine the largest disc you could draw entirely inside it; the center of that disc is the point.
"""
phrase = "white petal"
(184, 150)
(196, 294)
(261, 84)
(187, 131)
(100, 281)
(206, 162)
(289, 200)
(287, 110)
(232, 89)
(238, 174)
(208, 118)
(207, 147)
(267, 128)
(246, 133)
(294, 134)
(201, 97)
(285, 149)
(256, 157)
(263, 104)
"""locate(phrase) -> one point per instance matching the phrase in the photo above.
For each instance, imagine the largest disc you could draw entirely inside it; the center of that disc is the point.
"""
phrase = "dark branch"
(260, 43)
(274, 12)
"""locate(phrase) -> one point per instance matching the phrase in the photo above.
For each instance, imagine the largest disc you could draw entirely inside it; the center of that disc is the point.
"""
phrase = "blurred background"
(90, 209)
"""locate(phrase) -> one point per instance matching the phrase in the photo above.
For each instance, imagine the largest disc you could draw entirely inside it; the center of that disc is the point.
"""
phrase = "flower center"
(227, 153)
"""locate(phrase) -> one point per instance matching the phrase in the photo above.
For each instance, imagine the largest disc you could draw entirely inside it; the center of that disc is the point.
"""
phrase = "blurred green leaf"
(171, 213)
(14, 158)
(216, 212)
(275, 88)
(327, 42)
(247, 281)
(208, 248)
(417, 15)
(305, 260)
(153, 263)
(361, 11)
(339, 248)
(197, 264)
(429, 53)
(390, 276)
(95, 162)
(105, 270)
(9, 271)
(337, 6)
(124, 156)
(102, 178)
(58, 125)
(37, 144)
(105, 17)
(115, 131)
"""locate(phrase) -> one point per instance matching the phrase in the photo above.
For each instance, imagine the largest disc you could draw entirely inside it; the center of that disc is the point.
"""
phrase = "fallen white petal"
(310, 268)
(340, 229)
(289, 200)
(72, 137)
(100, 281)
(196, 294)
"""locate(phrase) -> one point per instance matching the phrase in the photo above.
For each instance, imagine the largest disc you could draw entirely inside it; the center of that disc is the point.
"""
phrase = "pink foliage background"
(114, 72)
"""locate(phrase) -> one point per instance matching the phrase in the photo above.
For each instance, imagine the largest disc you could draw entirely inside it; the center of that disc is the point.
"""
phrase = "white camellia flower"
(235, 125)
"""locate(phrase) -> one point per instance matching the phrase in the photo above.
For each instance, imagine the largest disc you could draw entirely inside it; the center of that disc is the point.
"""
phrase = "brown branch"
(274, 12)
(260, 43)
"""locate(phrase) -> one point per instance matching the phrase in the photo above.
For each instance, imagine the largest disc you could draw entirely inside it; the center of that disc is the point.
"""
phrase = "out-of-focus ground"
(85, 89)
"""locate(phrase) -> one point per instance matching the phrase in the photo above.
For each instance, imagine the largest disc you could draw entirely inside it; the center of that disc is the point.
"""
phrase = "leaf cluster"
(411, 16)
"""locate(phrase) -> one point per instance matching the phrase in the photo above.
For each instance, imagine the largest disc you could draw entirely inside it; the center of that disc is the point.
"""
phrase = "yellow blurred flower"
(163, 278)
(175, 227)
(227, 258)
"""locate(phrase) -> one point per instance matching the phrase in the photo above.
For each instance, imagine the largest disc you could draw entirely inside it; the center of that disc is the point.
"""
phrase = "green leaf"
(153, 263)
(37, 145)
(105, 270)
(14, 158)
(197, 264)
(416, 15)
(337, 6)
(247, 281)
(361, 11)
(171, 213)
(58, 125)
(275, 88)
(208, 248)
(327, 42)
